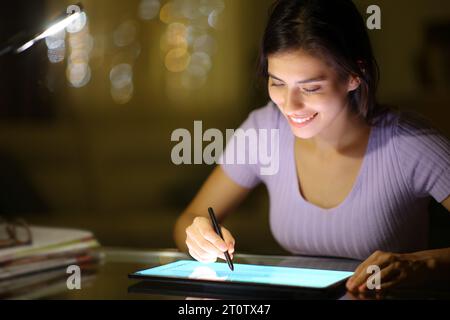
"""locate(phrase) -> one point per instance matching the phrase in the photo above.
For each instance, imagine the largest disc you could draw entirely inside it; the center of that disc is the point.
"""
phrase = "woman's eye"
(276, 84)
(311, 90)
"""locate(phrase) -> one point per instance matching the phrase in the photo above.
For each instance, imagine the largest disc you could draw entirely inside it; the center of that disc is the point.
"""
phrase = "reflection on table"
(108, 279)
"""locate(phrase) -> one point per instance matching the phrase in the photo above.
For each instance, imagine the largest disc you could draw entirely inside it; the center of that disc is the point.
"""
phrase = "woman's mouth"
(300, 122)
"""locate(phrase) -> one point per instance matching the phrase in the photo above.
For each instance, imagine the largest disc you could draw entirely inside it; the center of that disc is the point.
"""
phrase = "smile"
(302, 120)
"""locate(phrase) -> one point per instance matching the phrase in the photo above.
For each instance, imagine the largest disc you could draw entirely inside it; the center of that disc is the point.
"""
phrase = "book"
(51, 248)
(49, 241)
(20, 268)
(42, 284)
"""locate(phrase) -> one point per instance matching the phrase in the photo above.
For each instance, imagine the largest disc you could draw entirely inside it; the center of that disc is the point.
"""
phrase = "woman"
(354, 178)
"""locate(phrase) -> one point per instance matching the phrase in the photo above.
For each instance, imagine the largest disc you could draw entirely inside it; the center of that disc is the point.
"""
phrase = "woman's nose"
(293, 101)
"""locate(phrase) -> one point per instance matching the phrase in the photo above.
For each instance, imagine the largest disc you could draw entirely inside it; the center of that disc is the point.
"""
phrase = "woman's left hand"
(395, 270)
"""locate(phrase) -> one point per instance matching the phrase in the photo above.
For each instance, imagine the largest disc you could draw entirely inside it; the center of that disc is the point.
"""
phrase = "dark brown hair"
(333, 30)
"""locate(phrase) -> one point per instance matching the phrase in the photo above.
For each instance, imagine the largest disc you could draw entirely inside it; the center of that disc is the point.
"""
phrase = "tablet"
(254, 277)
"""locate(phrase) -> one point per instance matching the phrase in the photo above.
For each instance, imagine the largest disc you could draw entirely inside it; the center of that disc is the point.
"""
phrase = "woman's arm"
(446, 203)
(424, 268)
(219, 192)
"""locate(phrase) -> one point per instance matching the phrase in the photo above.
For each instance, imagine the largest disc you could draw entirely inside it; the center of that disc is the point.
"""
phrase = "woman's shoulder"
(409, 125)
(423, 153)
(413, 138)
(417, 129)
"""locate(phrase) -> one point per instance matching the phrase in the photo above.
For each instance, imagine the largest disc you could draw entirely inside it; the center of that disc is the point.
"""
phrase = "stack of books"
(52, 250)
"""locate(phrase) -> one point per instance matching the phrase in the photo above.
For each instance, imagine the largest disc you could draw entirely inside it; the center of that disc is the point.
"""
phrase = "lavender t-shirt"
(407, 161)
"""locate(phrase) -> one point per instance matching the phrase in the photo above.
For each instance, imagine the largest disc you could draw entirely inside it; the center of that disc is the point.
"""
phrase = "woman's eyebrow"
(315, 79)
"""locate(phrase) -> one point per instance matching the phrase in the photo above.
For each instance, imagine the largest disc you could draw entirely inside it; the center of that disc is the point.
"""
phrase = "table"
(109, 278)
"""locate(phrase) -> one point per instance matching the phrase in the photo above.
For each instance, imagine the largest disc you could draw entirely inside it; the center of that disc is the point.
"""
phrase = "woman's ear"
(353, 83)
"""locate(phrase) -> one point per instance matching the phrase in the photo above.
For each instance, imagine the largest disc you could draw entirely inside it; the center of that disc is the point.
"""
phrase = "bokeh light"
(188, 45)
(171, 12)
(122, 88)
(177, 60)
(200, 64)
(205, 43)
(80, 44)
(81, 41)
(56, 55)
(56, 40)
(79, 56)
(125, 34)
(121, 75)
(215, 20)
(78, 24)
(122, 95)
(174, 37)
(56, 46)
(149, 9)
(189, 9)
(208, 6)
(78, 74)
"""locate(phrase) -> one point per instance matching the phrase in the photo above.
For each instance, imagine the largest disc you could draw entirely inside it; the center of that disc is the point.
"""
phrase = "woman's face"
(308, 92)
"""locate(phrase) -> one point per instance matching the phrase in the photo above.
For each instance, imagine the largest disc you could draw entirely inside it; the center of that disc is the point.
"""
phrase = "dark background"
(93, 157)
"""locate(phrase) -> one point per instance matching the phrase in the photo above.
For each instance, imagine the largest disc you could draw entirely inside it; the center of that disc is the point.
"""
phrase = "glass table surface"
(108, 279)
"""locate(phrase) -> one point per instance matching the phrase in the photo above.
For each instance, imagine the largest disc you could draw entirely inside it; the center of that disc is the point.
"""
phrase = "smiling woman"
(315, 100)
(355, 178)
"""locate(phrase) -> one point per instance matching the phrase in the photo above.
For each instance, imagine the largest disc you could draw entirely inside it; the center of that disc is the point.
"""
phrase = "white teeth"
(297, 120)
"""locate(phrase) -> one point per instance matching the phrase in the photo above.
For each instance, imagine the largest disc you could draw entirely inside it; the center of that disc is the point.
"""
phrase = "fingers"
(205, 244)
(358, 277)
(208, 247)
(199, 254)
(203, 247)
(229, 240)
(206, 230)
(389, 274)
(201, 258)
(377, 258)
(386, 263)
(394, 283)
(392, 276)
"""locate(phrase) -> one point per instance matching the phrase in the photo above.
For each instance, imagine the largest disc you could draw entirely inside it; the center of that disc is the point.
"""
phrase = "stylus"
(219, 232)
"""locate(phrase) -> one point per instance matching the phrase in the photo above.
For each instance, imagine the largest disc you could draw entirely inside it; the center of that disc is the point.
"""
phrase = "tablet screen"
(247, 273)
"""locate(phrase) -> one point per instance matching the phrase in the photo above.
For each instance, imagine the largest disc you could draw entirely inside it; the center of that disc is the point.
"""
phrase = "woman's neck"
(346, 136)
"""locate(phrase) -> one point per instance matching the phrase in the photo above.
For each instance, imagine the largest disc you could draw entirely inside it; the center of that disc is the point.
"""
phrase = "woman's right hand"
(204, 244)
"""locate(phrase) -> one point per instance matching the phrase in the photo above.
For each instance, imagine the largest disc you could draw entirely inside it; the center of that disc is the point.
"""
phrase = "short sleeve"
(424, 156)
(240, 160)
